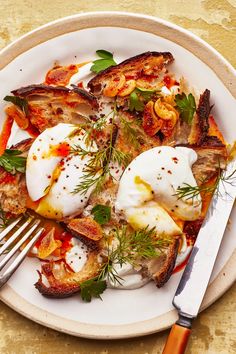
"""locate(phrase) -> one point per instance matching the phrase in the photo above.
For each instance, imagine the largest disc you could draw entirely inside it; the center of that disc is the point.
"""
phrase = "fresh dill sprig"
(96, 126)
(93, 172)
(140, 244)
(130, 132)
(109, 272)
(120, 157)
(131, 247)
(191, 192)
(97, 168)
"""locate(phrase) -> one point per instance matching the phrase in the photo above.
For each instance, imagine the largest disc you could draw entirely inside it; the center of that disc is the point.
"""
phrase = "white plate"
(75, 39)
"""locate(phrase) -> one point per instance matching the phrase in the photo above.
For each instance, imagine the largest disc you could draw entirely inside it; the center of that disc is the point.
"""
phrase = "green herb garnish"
(92, 288)
(136, 245)
(101, 214)
(22, 103)
(190, 192)
(98, 167)
(130, 247)
(146, 93)
(135, 103)
(139, 97)
(186, 105)
(105, 62)
(12, 162)
(130, 133)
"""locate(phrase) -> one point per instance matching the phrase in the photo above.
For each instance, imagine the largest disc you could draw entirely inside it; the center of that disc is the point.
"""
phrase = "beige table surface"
(214, 332)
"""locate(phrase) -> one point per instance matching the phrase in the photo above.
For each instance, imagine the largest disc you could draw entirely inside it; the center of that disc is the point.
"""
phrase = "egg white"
(156, 174)
(147, 190)
(51, 180)
(40, 164)
(77, 256)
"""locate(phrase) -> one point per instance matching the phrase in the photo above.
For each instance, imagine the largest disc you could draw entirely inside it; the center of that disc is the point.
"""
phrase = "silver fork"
(30, 225)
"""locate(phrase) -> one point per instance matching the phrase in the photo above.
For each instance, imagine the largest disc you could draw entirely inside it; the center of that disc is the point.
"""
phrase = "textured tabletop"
(214, 332)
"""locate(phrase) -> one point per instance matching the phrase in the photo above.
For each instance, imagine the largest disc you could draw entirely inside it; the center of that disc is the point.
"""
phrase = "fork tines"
(21, 231)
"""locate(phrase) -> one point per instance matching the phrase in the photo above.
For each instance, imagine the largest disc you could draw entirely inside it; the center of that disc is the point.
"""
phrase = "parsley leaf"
(101, 213)
(146, 93)
(105, 62)
(135, 103)
(186, 105)
(104, 54)
(139, 97)
(92, 288)
(11, 162)
(22, 103)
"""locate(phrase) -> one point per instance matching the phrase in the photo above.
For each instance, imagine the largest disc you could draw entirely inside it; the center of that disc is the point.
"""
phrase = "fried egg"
(53, 171)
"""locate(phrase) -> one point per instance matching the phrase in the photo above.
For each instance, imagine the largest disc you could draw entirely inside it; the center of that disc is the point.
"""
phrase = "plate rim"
(204, 51)
(221, 284)
(227, 74)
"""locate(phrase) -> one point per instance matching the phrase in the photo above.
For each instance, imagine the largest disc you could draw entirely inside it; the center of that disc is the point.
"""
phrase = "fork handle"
(177, 340)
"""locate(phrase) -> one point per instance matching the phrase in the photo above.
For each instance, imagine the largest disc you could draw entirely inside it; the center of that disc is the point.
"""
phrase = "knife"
(194, 281)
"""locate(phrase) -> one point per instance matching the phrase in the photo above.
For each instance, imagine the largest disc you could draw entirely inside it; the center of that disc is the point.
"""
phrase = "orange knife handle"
(177, 340)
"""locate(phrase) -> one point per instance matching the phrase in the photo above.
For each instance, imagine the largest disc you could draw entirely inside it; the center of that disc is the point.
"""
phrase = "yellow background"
(214, 331)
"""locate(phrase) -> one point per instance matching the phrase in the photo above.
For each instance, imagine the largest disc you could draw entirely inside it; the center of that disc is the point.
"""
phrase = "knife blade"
(196, 276)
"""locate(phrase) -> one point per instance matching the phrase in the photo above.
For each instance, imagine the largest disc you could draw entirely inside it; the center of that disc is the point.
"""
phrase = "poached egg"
(147, 193)
(53, 171)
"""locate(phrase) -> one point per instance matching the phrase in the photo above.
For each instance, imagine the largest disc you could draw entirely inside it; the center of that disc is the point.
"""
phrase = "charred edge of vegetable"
(23, 145)
(85, 94)
(165, 272)
(34, 89)
(59, 291)
(91, 244)
(168, 58)
(38, 88)
(209, 142)
(203, 112)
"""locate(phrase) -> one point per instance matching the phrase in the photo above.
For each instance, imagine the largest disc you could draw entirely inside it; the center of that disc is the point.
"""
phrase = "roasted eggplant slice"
(146, 65)
(212, 156)
(50, 105)
(200, 125)
(58, 281)
(160, 268)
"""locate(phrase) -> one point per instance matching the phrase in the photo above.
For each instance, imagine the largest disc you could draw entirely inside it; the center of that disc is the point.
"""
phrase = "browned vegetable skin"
(212, 152)
(24, 92)
(210, 158)
(66, 282)
(149, 63)
(86, 227)
(23, 145)
(160, 268)
(50, 105)
(200, 124)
